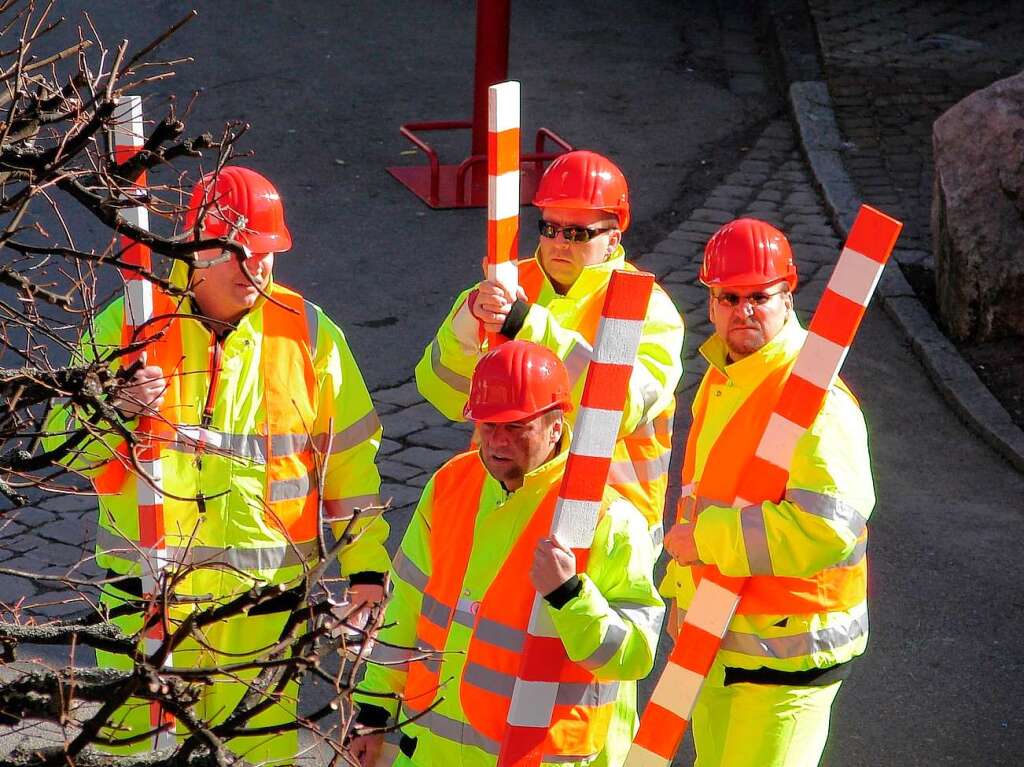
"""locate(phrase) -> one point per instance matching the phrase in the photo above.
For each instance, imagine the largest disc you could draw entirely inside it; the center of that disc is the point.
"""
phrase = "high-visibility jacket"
(568, 324)
(807, 601)
(461, 587)
(239, 477)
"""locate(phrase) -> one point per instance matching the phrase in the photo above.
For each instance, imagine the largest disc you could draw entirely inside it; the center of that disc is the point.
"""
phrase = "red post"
(492, 19)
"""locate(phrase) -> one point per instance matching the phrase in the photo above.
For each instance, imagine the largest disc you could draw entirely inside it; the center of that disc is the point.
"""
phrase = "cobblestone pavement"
(892, 69)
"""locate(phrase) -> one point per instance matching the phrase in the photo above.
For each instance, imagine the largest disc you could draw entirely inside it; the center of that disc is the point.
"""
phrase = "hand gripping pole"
(127, 137)
(577, 507)
(503, 188)
(830, 335)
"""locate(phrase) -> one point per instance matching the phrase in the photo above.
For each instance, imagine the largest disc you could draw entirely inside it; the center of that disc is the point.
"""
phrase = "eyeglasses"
(574, 234)
(732, 300)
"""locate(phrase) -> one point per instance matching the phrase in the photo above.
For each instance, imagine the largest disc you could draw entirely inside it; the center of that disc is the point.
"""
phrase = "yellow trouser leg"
(244, 637)
(754, 725)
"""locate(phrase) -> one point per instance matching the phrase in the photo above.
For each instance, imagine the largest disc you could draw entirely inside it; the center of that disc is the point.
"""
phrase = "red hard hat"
(747, 252)
(583, 179)
(240, 192)
(517, 380)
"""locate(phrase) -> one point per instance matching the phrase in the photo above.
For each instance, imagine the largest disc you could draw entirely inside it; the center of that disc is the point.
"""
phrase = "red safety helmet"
(583, 179)
(747, 252)
(517, 380)
(237, 192)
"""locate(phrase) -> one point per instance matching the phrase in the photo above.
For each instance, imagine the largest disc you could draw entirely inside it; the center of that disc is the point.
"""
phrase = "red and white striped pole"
(128, 136)
(577, 507)
(503, 188)
(830, 335)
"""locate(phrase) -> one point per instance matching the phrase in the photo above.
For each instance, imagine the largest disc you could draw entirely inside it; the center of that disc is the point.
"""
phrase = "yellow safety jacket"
(247, 413)
(453, 603)
(808, 606)
(568, 324)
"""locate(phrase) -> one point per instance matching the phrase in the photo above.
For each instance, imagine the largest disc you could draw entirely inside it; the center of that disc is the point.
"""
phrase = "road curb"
(821, 143)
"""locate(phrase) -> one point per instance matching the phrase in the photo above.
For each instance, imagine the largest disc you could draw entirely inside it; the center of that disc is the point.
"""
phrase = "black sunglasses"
(573, 234)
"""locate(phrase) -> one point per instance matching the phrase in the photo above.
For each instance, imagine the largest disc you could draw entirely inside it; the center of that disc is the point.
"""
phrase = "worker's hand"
(358, 613)
(491, 302)
(553, 565)
(366, 748)
(143, 393)
(680, 544)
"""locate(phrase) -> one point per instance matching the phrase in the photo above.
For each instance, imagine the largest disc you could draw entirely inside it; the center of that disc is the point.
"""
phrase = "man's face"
(223, 291)
(563, 261)
(746, 318)
(512, 450)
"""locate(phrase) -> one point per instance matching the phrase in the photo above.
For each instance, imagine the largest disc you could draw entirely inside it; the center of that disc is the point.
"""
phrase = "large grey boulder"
(978, 213)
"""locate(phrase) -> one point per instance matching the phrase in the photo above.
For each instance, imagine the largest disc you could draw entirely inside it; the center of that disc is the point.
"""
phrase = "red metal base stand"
(465, 185)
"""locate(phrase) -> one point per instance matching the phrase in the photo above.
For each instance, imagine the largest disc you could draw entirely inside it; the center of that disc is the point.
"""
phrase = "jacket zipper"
(207, 417)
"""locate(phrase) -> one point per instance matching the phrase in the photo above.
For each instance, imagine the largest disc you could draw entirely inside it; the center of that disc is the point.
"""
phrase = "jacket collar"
(751, 370)
(592, 278)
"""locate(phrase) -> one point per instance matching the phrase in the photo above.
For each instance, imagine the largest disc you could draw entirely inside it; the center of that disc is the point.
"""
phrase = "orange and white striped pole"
(829, 337)
(127, 138)
(577, 507)
(503, 188)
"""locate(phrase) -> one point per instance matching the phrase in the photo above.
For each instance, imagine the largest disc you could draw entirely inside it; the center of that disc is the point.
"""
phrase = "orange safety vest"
(289, 408)
(831, 589)
(639, 470)
(583, 708)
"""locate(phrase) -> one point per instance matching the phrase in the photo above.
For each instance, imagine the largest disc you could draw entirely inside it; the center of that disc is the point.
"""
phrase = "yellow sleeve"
(352, 432)
(446, 366)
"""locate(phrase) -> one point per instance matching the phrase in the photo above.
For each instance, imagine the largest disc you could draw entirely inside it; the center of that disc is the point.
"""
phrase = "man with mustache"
(265, 417)
(803, 614)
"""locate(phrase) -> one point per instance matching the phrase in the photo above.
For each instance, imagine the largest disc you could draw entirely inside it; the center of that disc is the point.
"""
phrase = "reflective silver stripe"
(465, 612)
(858, 553)
(593, 693)
(449, 376)
(647, 617)
(828, 507)
(405, 569)
(357, 433)
(659, 426)
(755, 539)
(649, 387)
(577, 359)
(341, 509)
(613, 639)
(657, 536)
(255, 558)
(500, 635)
(290, 489)
(465, 734)
(436, 612)
(313, 323)
(187, 439)
(643, 471)
(282, 445)
(796, 645)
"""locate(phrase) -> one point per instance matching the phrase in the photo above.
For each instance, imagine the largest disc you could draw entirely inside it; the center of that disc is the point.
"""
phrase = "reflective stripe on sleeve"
(645, 472)
(613, 639)
(407, 570)
(828, 507)
(313, 323)
(357, 433)
(755, 540)
(458, 382)
(577, 359)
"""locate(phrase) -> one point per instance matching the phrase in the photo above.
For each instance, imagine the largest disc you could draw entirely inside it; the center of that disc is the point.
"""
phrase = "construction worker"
(268, 418)
(803, 613)
(471, 563)
(584, 207)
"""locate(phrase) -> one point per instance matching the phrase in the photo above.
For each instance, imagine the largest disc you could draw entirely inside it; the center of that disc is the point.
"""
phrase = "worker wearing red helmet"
(584, 211)
(257, 383)
(471, 563)
(803, 613)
